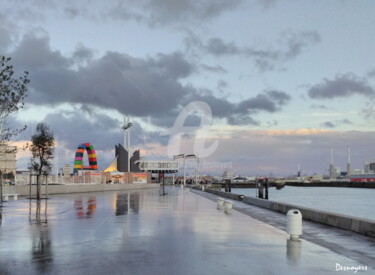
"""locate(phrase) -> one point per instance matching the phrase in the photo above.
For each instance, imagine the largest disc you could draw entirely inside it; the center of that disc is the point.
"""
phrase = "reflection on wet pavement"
(83, 211)
(124, 202)
(140, 232)
(41, 248)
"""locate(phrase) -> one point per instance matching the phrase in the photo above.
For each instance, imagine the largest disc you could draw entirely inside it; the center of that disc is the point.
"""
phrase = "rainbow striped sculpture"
(93, 165)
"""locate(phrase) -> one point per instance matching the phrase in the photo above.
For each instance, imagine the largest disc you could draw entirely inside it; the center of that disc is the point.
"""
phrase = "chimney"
(299, 170)
(348, 165)
(331, 165)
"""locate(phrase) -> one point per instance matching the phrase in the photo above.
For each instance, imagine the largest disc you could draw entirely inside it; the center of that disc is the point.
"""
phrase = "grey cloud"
(297, 42)
(166, 11)
(242, 120)
(369, 111)
(71, 12)
(318, 106)
(271, 101)
(222, 84)
(342, 86)
(217, 46)
(272, 123)
(34, 54)
(280, 97)
(235, 113)
(140, 87)
(6, 36)
(173, 65)
(267, 3)
(329, 124)
(371, 74)
(82, 54)
(291, 44)
(213, 69)
(150, 12)
(260, 102)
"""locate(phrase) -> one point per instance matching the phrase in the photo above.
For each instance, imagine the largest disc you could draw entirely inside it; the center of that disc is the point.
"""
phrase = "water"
(358, 202)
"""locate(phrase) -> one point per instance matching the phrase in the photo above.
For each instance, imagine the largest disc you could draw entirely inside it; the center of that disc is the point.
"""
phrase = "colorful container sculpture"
(93, 165)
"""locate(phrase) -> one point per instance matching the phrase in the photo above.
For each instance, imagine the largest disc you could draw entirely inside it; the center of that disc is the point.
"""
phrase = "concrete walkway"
(350, 244)
(140, 232)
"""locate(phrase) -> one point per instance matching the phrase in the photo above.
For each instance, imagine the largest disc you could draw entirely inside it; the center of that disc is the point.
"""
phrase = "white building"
(370, 167)
(7, 158)
(336, 172)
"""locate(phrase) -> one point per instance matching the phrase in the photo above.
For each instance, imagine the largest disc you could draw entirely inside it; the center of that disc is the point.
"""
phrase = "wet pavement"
(141, 232)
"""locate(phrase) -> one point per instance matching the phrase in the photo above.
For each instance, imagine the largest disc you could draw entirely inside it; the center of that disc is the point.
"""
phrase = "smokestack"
(331, 165)
(299, 170)
(348, 165)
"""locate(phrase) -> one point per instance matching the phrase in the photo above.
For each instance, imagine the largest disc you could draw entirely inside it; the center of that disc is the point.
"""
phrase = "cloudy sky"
(284, 80)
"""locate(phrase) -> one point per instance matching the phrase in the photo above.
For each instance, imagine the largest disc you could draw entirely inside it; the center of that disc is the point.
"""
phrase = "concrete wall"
(224, 194)
(361, 226)
(23, 190)
(333, 184)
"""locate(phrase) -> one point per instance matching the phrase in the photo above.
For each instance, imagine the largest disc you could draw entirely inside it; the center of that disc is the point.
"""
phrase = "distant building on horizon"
(370, 167)
(120, 163)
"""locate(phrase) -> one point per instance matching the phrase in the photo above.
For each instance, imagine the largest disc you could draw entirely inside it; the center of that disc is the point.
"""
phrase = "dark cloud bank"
(147, 88)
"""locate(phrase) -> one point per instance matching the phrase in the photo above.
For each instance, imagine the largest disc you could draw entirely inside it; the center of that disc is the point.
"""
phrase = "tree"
(42, 148)
(12, 95)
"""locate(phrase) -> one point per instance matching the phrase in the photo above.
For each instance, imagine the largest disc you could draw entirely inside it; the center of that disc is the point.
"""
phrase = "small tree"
(42, 148)
(12, 94)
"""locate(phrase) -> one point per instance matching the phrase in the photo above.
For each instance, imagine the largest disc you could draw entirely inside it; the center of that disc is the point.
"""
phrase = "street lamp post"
(126, 129)
(178, 157)
(187, 157)
(191, 156)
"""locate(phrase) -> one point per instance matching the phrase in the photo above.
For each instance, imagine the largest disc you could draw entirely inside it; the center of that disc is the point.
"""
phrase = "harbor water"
(358, 202)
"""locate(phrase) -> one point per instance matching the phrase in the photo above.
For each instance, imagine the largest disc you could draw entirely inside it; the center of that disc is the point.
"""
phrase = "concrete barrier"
(361, 226)
(24, 190)
(225, 194)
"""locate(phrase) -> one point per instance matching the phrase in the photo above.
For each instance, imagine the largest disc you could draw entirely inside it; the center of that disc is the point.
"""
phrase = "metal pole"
(1, 188)
(184, 172)
(30, 185)
(163, 185)
(46, 186)
(128, 140)
(196, 171)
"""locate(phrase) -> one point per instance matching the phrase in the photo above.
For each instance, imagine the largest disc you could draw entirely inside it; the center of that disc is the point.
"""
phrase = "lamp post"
(178, 157)
(187, 157)
(126, 129)
(192, 156)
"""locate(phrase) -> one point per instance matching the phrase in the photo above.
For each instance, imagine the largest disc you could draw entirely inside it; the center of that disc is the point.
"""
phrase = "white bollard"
(228, 205)
(220, 204)
(294, 224)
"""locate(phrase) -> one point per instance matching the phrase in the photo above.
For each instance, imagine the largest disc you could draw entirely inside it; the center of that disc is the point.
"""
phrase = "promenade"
(141, 232)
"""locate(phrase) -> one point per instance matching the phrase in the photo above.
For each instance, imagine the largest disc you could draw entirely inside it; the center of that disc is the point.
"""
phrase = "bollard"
(220, 204)
(228, 205)
(294, 224)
